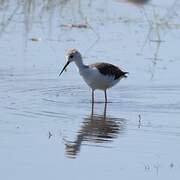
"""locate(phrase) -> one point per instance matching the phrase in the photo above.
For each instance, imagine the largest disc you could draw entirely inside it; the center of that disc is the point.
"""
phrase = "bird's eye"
(71, 56)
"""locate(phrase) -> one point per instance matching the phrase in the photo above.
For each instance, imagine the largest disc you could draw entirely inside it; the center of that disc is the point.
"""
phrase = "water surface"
(48, 129)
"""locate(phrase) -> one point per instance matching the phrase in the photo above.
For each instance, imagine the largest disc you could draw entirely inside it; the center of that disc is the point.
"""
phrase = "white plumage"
(97, 76)
(96, 80)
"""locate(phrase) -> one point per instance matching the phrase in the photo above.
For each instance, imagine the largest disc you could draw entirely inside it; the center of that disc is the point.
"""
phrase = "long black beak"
(64, 67)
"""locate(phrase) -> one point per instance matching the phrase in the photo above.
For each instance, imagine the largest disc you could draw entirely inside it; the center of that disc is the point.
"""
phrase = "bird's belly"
(96, 80)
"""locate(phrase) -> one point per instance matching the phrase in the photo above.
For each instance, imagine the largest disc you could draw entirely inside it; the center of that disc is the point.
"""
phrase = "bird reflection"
(95, 129)
(138, 1)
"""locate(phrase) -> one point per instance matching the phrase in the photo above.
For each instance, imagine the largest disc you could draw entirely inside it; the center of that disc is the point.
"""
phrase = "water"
(47, 129)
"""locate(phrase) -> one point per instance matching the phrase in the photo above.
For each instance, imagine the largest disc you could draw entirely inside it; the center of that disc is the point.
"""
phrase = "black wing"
(109, 69)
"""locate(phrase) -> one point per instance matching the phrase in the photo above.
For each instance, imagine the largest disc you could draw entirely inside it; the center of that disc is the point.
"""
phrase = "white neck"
(79, 63)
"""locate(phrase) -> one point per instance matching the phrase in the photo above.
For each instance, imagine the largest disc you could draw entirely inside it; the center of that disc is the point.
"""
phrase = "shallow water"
(47, 129)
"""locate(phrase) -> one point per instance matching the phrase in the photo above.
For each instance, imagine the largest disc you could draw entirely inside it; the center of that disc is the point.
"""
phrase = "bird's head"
(72, 55)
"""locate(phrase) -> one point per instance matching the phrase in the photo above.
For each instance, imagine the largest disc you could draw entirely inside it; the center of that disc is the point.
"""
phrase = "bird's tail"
(125, 74)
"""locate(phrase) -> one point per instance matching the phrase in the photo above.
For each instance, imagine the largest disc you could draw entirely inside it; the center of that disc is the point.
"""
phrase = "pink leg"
(105, 96)
(92, 96)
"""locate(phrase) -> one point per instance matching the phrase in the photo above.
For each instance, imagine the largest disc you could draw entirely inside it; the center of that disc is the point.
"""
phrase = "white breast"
(96, 80)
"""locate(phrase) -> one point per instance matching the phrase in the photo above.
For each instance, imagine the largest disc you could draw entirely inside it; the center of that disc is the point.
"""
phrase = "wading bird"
(100, 76)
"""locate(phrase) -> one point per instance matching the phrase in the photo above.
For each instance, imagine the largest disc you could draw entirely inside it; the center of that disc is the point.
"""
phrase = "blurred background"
(37, 33)
(47, 129)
